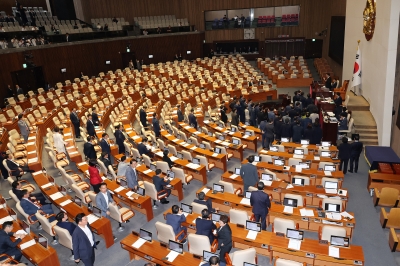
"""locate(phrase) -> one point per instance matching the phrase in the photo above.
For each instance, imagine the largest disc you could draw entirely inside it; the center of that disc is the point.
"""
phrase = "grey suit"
(131, 177)
(23, 127)
(249, 174)
(102, 203)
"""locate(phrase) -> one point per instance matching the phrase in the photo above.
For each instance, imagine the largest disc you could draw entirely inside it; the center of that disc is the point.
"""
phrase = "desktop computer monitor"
(237, 171)
(123, 183)
(340, 241)
(179, 155)
(233, 129)
(332, 185)
(330, 168)
(196, 161)
(26, 227)
(175, 246)
(248, 194)
(210, 134)
(274, 148)
(304, 165)
(43, 241)
(140, 191)
(78, 201)
(170, 174)
(218, 188)
(215, 216)
(304, 141)
(257, 158)
(279, 162)
(153, 167)
(202, 146)
(207, 255)
(330, 207)
(186, 208)
(298, 181)
(248, 133)
(146, 235)
(221, 138)
(235, 141)
(267, 177)
(325, 154)
(254, 226)
(290, 202)
(96, 211)
(294, 234)
(298, 151)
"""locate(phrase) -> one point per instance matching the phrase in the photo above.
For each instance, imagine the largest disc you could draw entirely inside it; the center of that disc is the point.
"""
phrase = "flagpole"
(358, 44)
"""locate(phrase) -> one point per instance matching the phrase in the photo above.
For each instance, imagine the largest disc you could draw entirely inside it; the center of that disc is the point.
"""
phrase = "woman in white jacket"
(59, 142)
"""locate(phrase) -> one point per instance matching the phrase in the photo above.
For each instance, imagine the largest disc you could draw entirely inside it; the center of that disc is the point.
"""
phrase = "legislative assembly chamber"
(199, 132)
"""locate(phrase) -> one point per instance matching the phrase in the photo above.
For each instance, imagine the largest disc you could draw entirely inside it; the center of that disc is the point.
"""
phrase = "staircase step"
(366, 131)
(364, 127)
(370, 143)
(357, 108)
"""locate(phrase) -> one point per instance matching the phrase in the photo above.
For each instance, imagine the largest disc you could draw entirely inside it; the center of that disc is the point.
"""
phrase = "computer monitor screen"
(305, 141)
(196, 161)
(330, 168)
(26, 227)
(340, 241)
(140, 191)
(248, 133)
(304, 165)
(146, 235)
(170, 131)
(279, 162)
(218, 188)
(233, 129)
(207, 255)
(42, 240)
(329, 184)
(290, 202)
(237, 171)
(186, 208)
(274, 148)
(170, 174)
(179, 155)
(215, 216)
(249, 264)
(294, 234)
(329, 207)
(235, 141)
(284, 139)
(221, 125)
(123, 182)
(210, 133)
(153, 167)
(299, 151)
(325, 143)
(267, 177)
(175, 246)
(297, 181)
(189, 141)
(325, 154)
(221, 138)
(217, 150)
(254, 226)
(78, 201)
(202, 146)
(248, 194)
(96, 211)
(257, 158)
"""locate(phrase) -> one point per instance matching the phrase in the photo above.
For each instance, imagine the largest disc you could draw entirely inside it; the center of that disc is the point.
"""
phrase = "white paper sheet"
(160, 153)
(147, 171)
(328, 173)
(205, 190)
(245, 201)
(294, 244)
(32, 160)
(47, 185)
(214, 154)
(298, 156)
(316, 158)
(92, 218)
(20, 232)
(233, 176)
(56, 196)
(65, 202)
(288, 209)
(330, 190)
(306, 212)
(346, 214)
(139, 243)
(299, 168)
(119, 189)
(172, 255)
(334, 252)
(193, 148)
(28, 244)
(129, 193)
(333, 216)
(252, 235)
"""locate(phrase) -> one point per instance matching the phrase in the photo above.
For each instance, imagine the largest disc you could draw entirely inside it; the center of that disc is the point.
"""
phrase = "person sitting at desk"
(142, 147)
(334, 83)
(167, 159)
(175, 220)
(6, 245)
(16, 189)
(16, 169)
(62, 221)
(201, 200)
(214, 261)
(122, 166)
(343, 122)
(160, 184)
(204, 226)
(31, 208)
(105, 160)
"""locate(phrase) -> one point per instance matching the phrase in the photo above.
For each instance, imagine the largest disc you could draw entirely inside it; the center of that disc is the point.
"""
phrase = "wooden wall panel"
(5, 5)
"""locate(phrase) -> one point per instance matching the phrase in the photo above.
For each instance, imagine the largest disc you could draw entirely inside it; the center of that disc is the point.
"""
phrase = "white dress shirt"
(88, 234)
(106, 197)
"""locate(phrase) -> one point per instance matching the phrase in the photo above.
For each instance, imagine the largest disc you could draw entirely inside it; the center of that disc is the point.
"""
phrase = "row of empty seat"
(160, 21)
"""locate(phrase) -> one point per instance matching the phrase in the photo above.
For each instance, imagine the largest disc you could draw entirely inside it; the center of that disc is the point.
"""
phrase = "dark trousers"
(168, 193)
(39, 196)
(121, 148)
(89, 261)
(77, 132)
(343, 165)
(223, 250)
(96, 188)
(263, 141)
(13, 252)
(354, 162)
(263, 218)
(269, 141)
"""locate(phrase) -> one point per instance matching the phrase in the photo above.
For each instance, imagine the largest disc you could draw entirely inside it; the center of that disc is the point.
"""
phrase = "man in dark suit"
(88, 149)
(143, 116)
(7, 246)
(30, 207)
(263, 126)
(62, 221)
(156, 126)
(160, 184)
(224, 235)
(73, 116)
(167, 159)
(356, 149)
(214, 261)
(192, 119)
(95, 117)
(105, 160)
(90, 127)
(224, 117)
(286, 130)
(132, 175)
(269, 133)
(175, 220)
(261, 204)
(338, 101)
(179, 113)
(83, 241)
(10, 92)
(249, 173)
(204, 226)
(119, 138)
(16, 189)
(105, 145)
(19, 90)
(343, 122)
(142, 147)
(201, 200)
(235, 118)
(328, 81)
(16, 169)
(344, 154)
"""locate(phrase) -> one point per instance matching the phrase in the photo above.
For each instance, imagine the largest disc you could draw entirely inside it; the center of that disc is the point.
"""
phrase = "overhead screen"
(336, 41)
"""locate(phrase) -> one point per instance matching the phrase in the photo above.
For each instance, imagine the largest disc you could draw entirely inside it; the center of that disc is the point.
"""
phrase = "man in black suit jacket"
(83, 241)
(62, 221)
(160, 184)
(167, 159)
(105, 160)
(90, 127)
(143, 116)
(224, 235)
(249, 173)
(224, 117)
(73, 116)
(156, 125)
(16, 189)
(179, 113)
(261, 204)
(16, 169)
(338, 101)
(119, 138)
(344, 154)
(95, 117)
(142, 147)
(201, 200)
(7, 246)
(105, 145)
(192, 119)
(328, 81)
(88, 149)
(356, 149)
(204, 226)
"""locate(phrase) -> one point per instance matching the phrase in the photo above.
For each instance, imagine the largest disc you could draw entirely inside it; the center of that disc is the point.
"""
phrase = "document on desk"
(233, 176)
(172, 255)
(119, 189)
(205, 190)
(214, 154)
(33, 160)
(317, 158)
(28, 244)
(139, 243)
(245, 136)
(187, 127)
(346, 214)
(206, 121)
(168, 135)
(129, 193)
(47, 185)
(193, 148)
(267, 183)
(328, 173)
(299, 168)
(245, 201)
(306, 212)
(136, 137)
(334, 252)
(298, 156)
(330, 190)
(294, 244)
(196, 133)
(218, 141)
(218, 128)
(175, 140)
(56, 196)
(252, 235)
(92, 218)
(333, 216)
(160, 153)
(147, 171)
(38, 172)
(288, 209)
(66, 202)
(225, 143)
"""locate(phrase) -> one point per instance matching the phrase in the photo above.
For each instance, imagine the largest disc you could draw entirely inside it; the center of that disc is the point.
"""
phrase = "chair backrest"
(172, 149)
(114, 212)
(79, 193)
(238, 216)
(163, 166)
(328, 231)
(187, 155)
(64, 237)
(241, 256)
(147, 160)
(150, 189)
(299, 198)
(294, 161)
(44, 223)
(21, 211)
(197, 207)
(92, 197)
(388, 196)
(228, 187)
(164, 232)
(280, 225)
(13, 196)
(283, 262)
(198, 243)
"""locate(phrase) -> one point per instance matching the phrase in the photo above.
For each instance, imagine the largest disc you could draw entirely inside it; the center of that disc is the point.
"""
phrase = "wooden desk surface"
(306, 157)
(36, 254)
(298, 145)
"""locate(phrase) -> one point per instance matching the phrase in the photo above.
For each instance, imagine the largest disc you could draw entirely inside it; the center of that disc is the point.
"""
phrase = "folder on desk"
(334, 252)
(56, 195)
(252, 235)
(172, 255)
(92, 218)
(305, 212)
(288, 209)
(28, 244)
(294, 244)
(328, 173)
(245, 201)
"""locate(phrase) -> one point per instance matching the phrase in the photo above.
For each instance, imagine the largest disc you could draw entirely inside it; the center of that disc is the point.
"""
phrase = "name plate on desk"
(317, 220)
(323, 242)
(310, 255)
(147, 257)
(280, 234)
(309, 195)
(227, 203)
(357, 262)
(164, 245)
